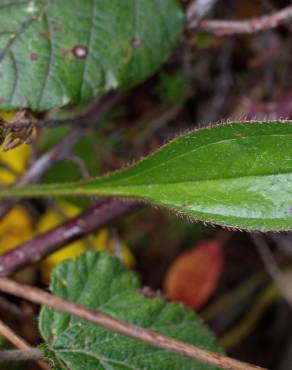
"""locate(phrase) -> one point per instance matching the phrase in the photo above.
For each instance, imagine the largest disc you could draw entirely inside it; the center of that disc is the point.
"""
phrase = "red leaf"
(194, 275)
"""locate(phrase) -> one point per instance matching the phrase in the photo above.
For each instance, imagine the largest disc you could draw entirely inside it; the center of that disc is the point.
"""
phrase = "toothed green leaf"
(56, 52)
(237, 175)
(99, 281)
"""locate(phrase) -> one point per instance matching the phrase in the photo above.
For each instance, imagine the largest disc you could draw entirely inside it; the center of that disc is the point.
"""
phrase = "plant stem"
(18, 342)
(63, 148)
(272, 267)
(12, 337)
(249, 26)
(198, 9)
(42, 164)
(102, 106)
(39, 296)
(41, 246)
(32, 354)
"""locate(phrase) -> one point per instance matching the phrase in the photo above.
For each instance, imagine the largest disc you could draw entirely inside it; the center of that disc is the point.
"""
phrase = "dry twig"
(197, 10)
(271, 266)
(32, 354)
(39, 296)
(12, 337)
(249, 26)
(23, 125)
(18, 342)
(39, 247)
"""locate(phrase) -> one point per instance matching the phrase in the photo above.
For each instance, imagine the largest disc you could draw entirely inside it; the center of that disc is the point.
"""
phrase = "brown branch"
(18, 342)
(271, 266)
(197, 10)
(249, 26)
(80, 164)
(98, 109)
(39, 296)
(12, 355)
(47, 160)
(12, 337)
(39, 247)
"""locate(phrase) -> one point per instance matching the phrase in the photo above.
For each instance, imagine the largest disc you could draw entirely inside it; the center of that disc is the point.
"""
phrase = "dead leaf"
(194, 275)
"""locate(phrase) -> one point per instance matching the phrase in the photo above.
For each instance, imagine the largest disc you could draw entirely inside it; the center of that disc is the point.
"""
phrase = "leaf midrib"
(176, 182)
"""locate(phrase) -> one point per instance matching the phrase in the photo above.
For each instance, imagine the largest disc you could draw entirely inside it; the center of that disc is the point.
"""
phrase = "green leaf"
(99, 281)
(56, 52)
(237, 175)
(172, 88)
(54, 362)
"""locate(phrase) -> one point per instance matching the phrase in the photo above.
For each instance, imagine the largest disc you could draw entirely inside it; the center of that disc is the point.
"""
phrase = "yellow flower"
(13, 162)
(103, 241)
(7, 116)
(100, 242)
(17, 225)
(15, 228)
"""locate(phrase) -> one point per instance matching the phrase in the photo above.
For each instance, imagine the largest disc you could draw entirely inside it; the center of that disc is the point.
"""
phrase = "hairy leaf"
(99, 281)
(55, 52)
(237, 175)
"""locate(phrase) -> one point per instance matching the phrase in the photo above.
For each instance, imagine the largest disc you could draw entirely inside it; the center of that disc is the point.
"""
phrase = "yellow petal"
(17, 160)
(15, 228)
(51, 219)
(7, 116)
(104, 242)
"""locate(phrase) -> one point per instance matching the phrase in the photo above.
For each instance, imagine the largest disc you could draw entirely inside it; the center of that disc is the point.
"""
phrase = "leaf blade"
(99, 281)
(237, 175)
(57, 52)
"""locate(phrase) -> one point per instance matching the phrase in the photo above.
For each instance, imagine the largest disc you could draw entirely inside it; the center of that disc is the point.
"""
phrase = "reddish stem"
(41, 246)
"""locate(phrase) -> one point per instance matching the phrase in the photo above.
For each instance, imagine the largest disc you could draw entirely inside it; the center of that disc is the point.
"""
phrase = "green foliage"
(172, 88)
(66, 51)
(85, 148)
(59, 52)
(203, 41)
(237, 175)
(99, 281)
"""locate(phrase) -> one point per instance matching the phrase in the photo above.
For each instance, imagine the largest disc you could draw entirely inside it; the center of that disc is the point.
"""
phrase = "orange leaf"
(193, 276)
